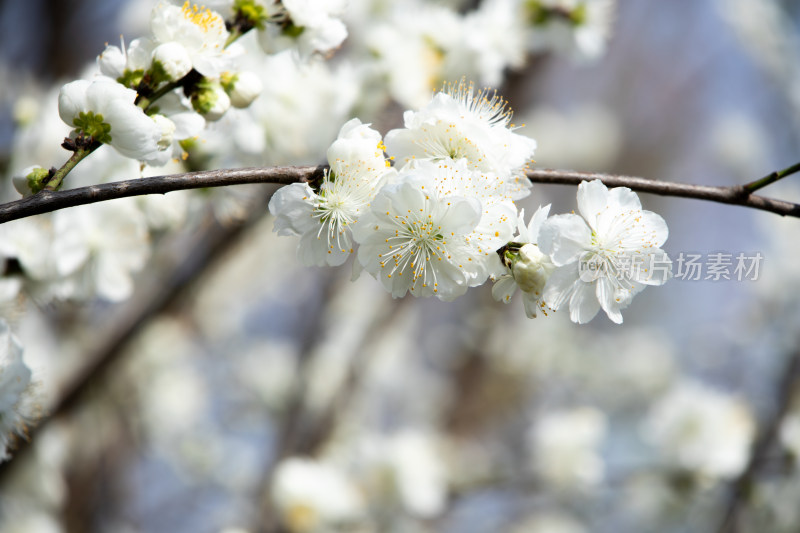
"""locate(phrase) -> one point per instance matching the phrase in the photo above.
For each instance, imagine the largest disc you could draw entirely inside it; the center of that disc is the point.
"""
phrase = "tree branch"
(47, 201)
(741, 488)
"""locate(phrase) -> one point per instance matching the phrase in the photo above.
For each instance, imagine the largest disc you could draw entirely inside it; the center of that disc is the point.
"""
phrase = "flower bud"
(172, 61)
(72, 100)
(531, 269)
(112, 62)
(32, 180)
(242, 87)
(210, 100)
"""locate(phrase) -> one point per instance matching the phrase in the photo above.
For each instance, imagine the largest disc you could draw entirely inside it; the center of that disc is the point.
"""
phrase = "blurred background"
(237, 390)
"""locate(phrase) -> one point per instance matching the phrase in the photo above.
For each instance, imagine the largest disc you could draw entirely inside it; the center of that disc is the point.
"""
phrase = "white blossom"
(605, 256)
(210, 100)
(324, 218)
(173, 59)
(435, 231)
(200, 31)
(105, 110)
(242, 87)
(460, 123)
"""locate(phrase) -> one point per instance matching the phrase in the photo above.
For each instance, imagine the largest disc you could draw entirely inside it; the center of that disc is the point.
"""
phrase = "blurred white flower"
(411, 48)
(314, 496)
(605, 255)
(98, 247)
(298, 115)
(406, 467)
(564, 447)
(740, 144)
(700, 429)
(550, 522)
(790, 434)
(493, 40)
(17, 409)
(307, 26)
(580, 28)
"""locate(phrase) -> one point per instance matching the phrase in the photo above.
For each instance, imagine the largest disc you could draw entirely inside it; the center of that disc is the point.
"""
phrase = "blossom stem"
(753, 186)
(234, 34)
(47, 201)
(57, 179)
(146, 101)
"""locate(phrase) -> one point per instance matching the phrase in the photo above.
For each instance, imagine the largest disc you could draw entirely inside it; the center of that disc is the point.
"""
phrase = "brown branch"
(741, 487)
(47, 201)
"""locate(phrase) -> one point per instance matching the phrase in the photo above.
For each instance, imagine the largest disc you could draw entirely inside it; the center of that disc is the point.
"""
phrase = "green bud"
(210, 99)
(92, 125)
(33, 181)
(158, 74)
(131, 78)
(531, 269)
(228, 80)
(250, 11)
(537, 13)
(578, 15)
(293, 31)
(37, 179)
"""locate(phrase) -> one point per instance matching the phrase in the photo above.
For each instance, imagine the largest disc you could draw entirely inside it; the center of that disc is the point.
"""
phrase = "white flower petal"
(564, 238)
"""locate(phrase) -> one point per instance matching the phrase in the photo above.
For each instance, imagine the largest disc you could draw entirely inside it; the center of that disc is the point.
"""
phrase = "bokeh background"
(180, 409)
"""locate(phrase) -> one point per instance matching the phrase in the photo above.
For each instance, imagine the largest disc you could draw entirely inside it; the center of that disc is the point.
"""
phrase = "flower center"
(205, 19)
(415, 243)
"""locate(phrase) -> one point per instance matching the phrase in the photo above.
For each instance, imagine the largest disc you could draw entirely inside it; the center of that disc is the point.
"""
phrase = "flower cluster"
(426, 41)
(444, 219)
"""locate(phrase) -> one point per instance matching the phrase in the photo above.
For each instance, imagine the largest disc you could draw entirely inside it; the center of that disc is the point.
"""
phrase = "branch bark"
(47, 201)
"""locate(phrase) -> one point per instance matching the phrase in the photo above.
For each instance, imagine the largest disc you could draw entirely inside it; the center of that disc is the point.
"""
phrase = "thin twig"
(753, 186)
(47, 201)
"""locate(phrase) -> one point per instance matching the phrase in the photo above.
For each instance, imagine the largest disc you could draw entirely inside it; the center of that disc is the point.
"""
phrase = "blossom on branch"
(199, 31)
(324, 217)
(105, 111)
(462, 123)
(422, 236)
(605, 255)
